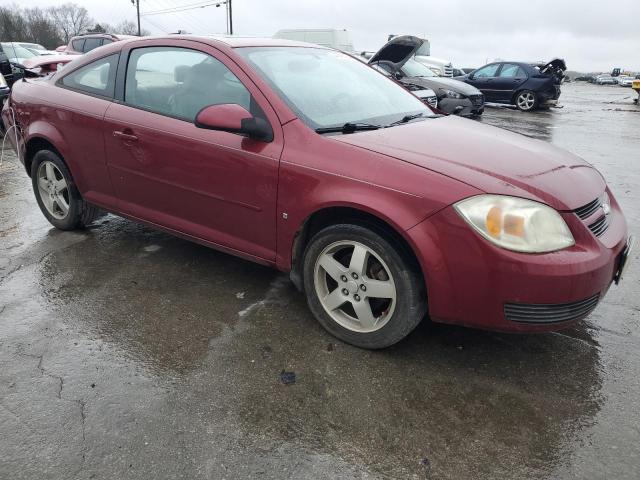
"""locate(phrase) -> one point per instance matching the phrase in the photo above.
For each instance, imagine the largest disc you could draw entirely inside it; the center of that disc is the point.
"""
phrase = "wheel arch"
(336, 214)
(34, 145)
(42, 135)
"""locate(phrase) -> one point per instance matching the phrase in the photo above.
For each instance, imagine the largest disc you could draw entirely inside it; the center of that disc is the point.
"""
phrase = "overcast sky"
(589, 35)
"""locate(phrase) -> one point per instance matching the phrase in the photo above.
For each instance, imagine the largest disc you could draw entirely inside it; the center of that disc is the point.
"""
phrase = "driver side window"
(488, 71)
(179, 82)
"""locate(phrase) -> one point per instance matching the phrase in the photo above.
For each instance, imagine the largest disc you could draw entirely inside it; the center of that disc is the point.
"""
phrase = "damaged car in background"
(453, 96)
(527, 86)
(43, 65)
(425, 94)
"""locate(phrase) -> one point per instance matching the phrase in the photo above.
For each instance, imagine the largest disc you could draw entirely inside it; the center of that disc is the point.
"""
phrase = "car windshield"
(327, 88)
(33, 46)
(20, 52)
(413, 68)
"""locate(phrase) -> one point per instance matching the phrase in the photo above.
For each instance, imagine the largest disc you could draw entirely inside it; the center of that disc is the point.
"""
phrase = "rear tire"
(526, 100)
(361, 287)
(57, 195)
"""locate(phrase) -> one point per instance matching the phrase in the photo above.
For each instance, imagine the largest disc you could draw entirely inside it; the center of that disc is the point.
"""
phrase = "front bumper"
(464, 107)
(474, 283)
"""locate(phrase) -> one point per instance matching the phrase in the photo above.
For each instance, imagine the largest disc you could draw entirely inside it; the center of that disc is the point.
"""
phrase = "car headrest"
(104, 74)
(180, 72)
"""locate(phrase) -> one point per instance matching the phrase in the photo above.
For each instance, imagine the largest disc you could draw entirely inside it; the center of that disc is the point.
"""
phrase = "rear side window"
(78, 44)
(96, 78)
(106, 41)
(180, 82)
(488, 71)
(92, 43)
(511, 71)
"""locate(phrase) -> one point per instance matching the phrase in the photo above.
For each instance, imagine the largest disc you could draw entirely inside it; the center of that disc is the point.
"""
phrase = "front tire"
(361, 288)
(57, 195)
(526, 101)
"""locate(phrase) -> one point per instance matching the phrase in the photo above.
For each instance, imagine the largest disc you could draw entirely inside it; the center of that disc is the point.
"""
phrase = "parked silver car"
(396, 58)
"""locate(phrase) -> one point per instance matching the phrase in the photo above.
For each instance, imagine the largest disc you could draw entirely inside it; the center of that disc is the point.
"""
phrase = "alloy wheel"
(355, 286)
(54, 190)
(526, 100)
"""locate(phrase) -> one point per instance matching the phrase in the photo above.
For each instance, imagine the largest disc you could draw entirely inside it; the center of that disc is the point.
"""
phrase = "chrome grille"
(448, 70)
(477, 100)
(587, 211)
(599, 226)
(550, 313)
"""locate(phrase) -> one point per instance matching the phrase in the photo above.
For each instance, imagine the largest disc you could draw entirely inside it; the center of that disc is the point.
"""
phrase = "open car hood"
(557, 64)
(44, 64)
(46, 60)
(397, 50)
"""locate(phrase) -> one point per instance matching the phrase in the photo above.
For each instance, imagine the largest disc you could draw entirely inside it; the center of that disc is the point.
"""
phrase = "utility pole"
(230, 18)
(137, 4)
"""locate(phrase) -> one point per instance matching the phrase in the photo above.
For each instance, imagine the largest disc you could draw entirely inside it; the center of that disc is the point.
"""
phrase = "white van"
(327, 37)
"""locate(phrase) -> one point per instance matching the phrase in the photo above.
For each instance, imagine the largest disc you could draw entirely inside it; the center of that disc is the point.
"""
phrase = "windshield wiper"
(348, 127)
(405, 119)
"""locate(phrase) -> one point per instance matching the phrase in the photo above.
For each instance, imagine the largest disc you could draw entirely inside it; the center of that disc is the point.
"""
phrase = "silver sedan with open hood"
(396, 58)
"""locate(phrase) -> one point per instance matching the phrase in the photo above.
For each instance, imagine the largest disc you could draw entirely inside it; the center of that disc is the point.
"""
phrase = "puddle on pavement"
(443, 393)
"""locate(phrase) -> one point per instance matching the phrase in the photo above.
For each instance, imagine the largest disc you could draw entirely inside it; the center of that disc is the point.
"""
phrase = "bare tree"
(101, 27)
(71, 19)
(12, 25)
(55, 25)
(41, 28)
(127, 27)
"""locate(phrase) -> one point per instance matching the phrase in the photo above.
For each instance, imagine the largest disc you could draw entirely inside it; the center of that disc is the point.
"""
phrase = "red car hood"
(488, 158)
(45, 60)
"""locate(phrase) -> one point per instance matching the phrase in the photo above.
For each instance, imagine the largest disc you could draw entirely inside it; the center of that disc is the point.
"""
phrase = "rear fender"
(49, 133)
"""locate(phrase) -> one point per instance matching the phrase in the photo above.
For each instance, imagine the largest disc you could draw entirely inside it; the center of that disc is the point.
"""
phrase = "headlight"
(450, 94)
(3, 82)
(516, 224)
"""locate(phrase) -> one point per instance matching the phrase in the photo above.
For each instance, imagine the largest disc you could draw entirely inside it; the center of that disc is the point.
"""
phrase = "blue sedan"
(521, 84)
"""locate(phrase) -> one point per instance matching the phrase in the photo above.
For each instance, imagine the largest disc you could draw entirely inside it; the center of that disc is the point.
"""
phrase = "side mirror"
(233, 118)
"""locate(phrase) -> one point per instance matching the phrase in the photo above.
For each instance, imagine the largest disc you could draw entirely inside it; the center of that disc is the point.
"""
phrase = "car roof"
(221, 42)
(235, 41)
(230, 41)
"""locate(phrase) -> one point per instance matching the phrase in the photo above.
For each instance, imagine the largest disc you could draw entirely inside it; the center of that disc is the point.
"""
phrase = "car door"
(82, 98)
(483, 79)
(510, 79)
(212, 185)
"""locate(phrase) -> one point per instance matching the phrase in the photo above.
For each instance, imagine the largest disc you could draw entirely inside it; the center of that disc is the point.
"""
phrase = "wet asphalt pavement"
(128, 353)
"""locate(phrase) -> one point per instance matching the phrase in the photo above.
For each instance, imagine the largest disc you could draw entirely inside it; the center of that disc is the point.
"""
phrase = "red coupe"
(306, 159)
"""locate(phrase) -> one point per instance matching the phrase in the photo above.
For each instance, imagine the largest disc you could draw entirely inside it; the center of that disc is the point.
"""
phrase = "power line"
(159, 27)
(183, 8)
(182, 14)
(171, 6)
(178, 21)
